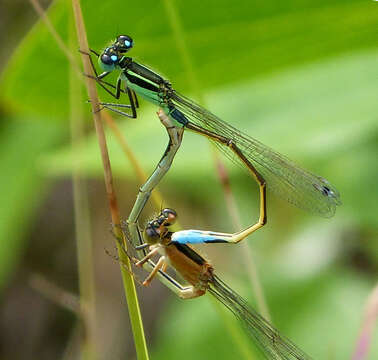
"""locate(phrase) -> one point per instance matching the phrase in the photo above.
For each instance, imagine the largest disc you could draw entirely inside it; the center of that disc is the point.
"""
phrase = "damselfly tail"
(272, 344)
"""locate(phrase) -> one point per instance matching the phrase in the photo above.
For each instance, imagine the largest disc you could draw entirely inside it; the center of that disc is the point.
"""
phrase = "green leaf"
(228, 44)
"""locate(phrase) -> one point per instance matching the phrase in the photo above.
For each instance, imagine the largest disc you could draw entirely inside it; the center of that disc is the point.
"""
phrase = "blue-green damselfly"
(178, 113)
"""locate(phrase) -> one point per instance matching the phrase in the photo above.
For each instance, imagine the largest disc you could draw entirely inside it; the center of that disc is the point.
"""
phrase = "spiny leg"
(131, 95)
(113, 106)
(90, 59)
(124, 246)
(103, 74)
(135, 99)
(99, 78)
(119, 260)
(159, 265)
(184, 292)
(103, 82)
(147, 257)
(158, 269)
(175, 137)
(235, 238)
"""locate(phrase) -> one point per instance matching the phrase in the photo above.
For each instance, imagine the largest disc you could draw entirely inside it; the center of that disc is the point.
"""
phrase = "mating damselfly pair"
(201, 276)
(271, 170)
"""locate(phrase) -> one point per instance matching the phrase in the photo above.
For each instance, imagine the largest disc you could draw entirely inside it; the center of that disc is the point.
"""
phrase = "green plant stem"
(128, 281)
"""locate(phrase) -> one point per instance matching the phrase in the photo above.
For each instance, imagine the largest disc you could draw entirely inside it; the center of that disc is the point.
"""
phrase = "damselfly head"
(154, 232)
(123, 43)
(109, 58)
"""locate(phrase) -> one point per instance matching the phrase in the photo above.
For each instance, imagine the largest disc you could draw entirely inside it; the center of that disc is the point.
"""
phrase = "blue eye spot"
(114, 57)
(127, 43)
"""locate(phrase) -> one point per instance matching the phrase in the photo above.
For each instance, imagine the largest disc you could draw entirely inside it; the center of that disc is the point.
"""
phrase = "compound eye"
(152, 233)
(124, 43)
(152, 230)
(105, 59)
(108, 59)
(170, 215)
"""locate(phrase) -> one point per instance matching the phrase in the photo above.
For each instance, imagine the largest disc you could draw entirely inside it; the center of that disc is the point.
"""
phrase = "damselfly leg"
(235, 238)
(134, 104)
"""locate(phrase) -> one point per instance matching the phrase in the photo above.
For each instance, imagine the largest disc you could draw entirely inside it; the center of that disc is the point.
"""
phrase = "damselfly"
(200, 274)
(269, 168)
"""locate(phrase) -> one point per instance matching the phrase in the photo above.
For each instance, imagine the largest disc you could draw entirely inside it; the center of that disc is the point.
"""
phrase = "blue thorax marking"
(194, 237)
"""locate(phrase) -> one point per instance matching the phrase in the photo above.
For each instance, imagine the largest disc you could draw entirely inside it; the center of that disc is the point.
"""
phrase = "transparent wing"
(272, 344)
(290, 182)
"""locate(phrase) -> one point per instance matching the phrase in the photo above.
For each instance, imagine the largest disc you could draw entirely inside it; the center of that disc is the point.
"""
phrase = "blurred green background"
(300, 76)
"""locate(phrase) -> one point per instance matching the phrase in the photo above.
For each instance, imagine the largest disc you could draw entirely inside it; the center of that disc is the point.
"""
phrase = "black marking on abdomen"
(141, 83)
(178, 115)
(215, 241)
